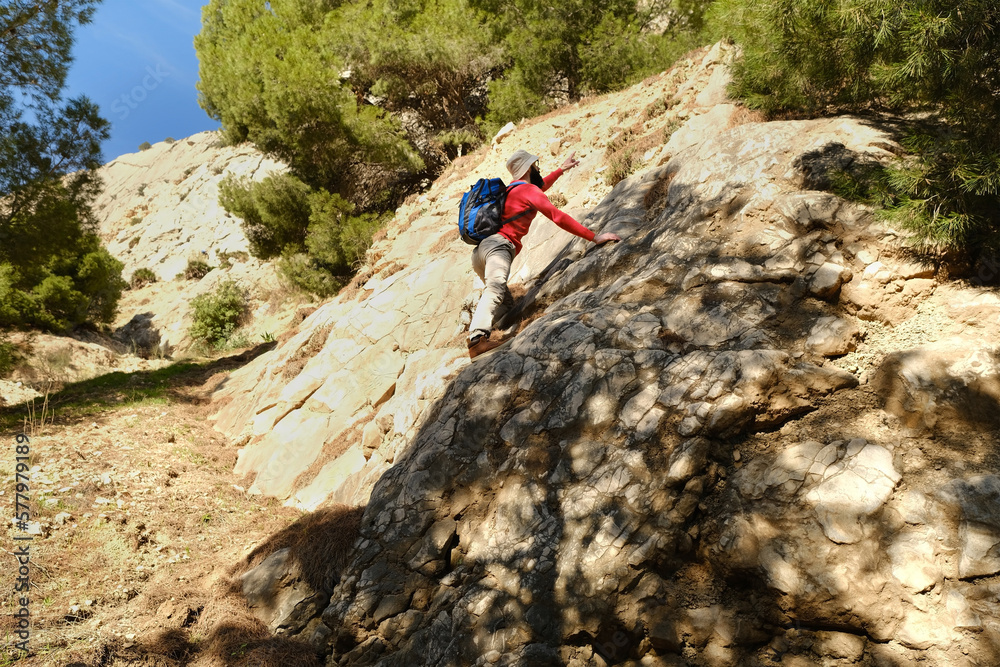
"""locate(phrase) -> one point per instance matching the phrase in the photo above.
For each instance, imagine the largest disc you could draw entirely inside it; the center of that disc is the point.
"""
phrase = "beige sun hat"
(520, 162)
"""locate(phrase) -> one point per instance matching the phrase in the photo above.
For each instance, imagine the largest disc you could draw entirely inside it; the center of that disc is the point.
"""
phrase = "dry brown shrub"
(227, 627)
(656, 197)
(624, 154)
(444, 242)
(745, 116)
(306, 352)
(333, 449)
(171, 643)
(389, 269)
(321, 541)
(279, 652)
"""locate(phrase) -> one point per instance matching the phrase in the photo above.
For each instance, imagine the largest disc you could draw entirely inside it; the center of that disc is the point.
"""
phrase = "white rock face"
(659, 468)
(161, 206)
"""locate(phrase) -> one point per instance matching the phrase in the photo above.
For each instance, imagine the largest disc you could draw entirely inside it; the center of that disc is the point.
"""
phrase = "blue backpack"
(481, 212)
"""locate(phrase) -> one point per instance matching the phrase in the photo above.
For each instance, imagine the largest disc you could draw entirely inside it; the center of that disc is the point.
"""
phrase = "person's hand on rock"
(607, 237)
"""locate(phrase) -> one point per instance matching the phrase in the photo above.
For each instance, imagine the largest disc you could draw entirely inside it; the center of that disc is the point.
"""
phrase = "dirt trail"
(138, 517)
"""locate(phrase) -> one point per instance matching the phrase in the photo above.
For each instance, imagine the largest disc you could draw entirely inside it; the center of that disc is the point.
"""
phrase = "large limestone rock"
(665, 466)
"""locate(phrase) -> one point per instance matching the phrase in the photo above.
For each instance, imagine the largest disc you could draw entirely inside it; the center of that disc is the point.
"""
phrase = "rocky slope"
(754, 432)
(160, 210)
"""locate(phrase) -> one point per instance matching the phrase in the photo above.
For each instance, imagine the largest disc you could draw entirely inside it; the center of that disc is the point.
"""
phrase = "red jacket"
(531, 198)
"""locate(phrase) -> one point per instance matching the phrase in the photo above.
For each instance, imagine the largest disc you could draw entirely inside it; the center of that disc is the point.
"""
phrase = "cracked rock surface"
(707, 446)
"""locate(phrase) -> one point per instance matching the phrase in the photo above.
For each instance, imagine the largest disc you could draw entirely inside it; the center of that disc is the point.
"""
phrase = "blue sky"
(136, 60)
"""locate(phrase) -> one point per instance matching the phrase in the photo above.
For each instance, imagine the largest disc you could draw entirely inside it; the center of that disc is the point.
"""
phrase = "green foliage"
(268, 74)
(563, 49)
(457, 142)
(929, 56)
(317, 234)
(76, 288)
(54, 274)
(425, 57)
(218, 314)
(170, 140)
(275, 212)
(336, 238)
(141, 278)
(197, 268)
(145, 146)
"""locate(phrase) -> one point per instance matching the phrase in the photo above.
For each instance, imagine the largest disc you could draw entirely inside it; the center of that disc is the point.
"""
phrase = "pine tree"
(938, 58)
(54, 273)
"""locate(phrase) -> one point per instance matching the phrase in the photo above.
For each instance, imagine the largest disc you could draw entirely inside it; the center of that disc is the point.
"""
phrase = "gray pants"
(491, 261)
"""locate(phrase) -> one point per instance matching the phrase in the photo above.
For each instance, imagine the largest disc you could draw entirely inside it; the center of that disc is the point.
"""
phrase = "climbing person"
(492, 258)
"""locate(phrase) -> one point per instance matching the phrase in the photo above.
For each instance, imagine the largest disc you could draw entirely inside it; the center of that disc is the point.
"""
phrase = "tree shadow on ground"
(77, 400)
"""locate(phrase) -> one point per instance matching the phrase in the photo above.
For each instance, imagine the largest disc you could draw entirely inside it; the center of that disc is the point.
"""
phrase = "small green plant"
(135, 220)
(145, 146)
(141, 278)
(188, 171)
(267, 337)
(197, 269)
(218, 314)
(226, 258)
(141, 190)
(134, 241)
(655, 108)
(170, 140)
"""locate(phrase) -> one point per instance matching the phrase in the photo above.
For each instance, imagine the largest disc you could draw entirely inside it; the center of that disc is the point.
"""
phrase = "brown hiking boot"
(481, 344)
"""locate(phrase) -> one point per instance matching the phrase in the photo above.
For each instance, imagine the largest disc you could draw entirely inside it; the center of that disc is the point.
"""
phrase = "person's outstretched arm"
(564, 220)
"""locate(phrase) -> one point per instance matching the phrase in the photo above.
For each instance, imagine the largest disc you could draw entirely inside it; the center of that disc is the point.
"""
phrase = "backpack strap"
(504, 203)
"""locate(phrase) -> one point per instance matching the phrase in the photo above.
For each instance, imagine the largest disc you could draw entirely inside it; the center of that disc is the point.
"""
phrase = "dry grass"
(745, 116)
(623, 155)
(306, 352)
(148, 487)
(656, 197)
(320, 541)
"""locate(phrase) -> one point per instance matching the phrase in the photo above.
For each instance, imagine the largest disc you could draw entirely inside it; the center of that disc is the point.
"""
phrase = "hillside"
(758, 431)
(159, 210)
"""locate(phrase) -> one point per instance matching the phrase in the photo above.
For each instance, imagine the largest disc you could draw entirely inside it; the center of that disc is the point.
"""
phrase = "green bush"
(218, 314)
(275, 212)
(316, 234)
(141, 278)
(56, 298)
(931, 59)
(197, 269)
(145, 146)
(460, 141)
